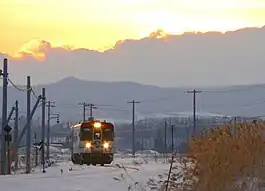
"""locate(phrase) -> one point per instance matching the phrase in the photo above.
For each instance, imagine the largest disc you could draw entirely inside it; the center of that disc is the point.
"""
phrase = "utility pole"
(91, 107)
(43, 130)
(16, 136)
(84, 104)
(31, 115)
(172, 138)
(165, 137)
(26, 127)
(51, 116)
(48, 128)
(28, 138)
(133, 126)
(72, 138)
(36, 150)
(4, 74)
(194, 92)
(142, 144)
(8, 139)
(84, 112)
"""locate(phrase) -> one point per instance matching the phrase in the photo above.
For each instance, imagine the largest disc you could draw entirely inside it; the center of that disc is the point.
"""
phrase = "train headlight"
(97, 125)
(106, 145)
(88, 145)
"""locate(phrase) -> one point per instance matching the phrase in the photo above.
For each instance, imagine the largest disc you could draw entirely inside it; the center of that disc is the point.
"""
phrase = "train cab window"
(86, 134)
(108, 134)
(97, 135)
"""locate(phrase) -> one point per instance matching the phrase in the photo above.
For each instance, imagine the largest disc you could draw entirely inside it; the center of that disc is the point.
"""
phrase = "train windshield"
(86, 134)
(108, 134)
(97, 135)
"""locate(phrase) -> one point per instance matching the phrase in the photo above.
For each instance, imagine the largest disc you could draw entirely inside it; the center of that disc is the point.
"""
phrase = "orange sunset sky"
(99, 24)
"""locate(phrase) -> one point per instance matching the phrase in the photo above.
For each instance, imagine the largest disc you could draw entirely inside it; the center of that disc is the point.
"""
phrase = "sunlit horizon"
(99, 25)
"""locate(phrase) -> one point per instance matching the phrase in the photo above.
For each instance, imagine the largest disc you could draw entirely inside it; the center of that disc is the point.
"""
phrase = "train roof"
(88, 122)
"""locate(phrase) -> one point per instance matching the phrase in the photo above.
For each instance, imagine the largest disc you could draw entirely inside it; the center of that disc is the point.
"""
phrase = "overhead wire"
(16, 87)
(20, 89)
(217, 90)
(101, 106)
(110, 108)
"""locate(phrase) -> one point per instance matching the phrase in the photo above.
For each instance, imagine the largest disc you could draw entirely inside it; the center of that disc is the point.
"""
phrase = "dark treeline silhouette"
(149, 132)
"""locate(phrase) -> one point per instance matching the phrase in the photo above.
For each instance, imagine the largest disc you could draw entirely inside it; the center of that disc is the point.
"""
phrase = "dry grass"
(223, 159)
(227, 158)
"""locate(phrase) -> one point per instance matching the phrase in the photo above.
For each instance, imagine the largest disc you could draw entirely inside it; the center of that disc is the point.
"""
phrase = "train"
(93, 143)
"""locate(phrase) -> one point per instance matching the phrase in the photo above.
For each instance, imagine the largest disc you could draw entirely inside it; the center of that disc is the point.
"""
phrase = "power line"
(71, 106)
(34, 94)
(20, 89)
(99, 107)
(159, 99)
(16, 87)
(166, 112)
(239, 88)
(255, 103)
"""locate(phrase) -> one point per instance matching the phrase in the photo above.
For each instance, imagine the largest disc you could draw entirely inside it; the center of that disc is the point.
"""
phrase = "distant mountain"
(111, 99)
(189, 59)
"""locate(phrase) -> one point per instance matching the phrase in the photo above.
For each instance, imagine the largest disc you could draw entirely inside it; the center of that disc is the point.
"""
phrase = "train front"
(98, 138)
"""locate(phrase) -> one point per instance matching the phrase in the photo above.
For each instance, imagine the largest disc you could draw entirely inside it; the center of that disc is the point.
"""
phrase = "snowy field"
(118, 176)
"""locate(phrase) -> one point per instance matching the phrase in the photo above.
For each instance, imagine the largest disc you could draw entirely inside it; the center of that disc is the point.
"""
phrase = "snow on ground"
(84, 178)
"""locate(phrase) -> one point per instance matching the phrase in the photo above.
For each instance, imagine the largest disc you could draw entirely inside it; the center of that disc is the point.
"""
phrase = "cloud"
(37, 49)
(189, 59)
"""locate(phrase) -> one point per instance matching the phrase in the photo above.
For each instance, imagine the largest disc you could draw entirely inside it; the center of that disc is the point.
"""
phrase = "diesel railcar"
(93, 143)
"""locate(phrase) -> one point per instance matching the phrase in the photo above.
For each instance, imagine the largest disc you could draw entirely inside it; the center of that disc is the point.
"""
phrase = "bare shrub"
(225, 159)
